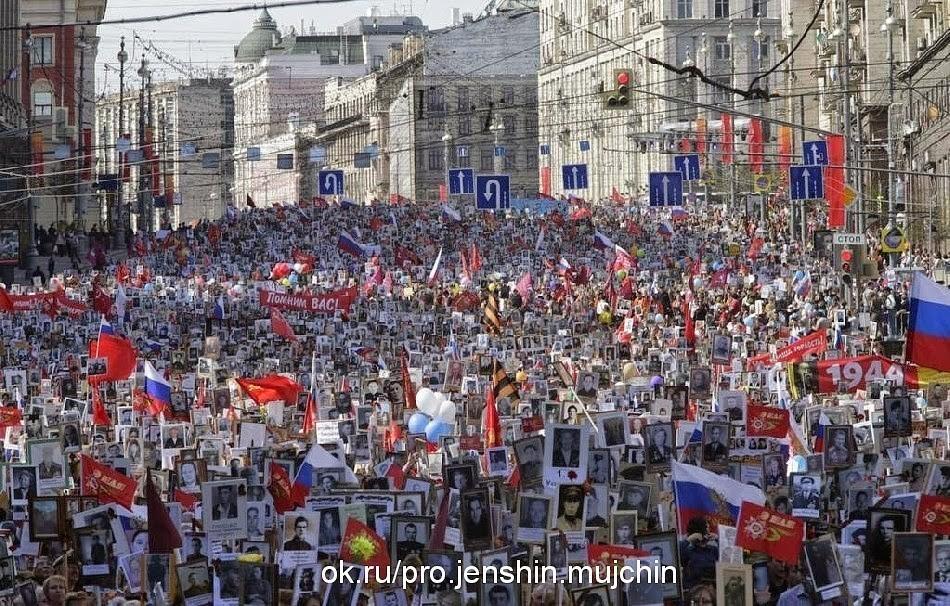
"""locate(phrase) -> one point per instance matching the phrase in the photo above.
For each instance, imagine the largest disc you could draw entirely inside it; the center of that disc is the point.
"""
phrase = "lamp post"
(143, 220)
(119, 216)
(446, 146)
(79, 207)
(892, 183)
(731, 39)
(31, 251)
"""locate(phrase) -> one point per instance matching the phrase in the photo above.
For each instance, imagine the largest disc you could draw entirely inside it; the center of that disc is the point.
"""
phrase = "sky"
(209, 40)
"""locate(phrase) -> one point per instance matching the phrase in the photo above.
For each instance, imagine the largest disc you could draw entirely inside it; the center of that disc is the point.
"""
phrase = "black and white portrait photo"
(721, 349)
(775, 471)
(497, 461)
(395, 596)
(23, 482)
(476, 523)
(658, 438)
(635, 496)
(534, 518)
(883, 524)
(565, 452)
(913, 561)
(598, 466)
(587, 386)
(715, 444)
(614, 429)
(700, 382)
(823, 566)
(409, 535)
(732, 403)
(48, 457)
(300, 531)
(897, 417)
(623, 527)
(497, 594)
(330, 531)
(225, 505)
(806, 495)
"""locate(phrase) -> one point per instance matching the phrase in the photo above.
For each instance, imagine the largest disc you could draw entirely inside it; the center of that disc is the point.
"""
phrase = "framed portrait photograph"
(226, 514)
(700, 382)
(715, 445)
(586, 387)
(50, 461)
(913, 557)
(450, 562)
(94, 551)
(408, 535)
(806, 495)
(534, 518)
(897, 420)
(343, 592)
(460, 476)
(839, 448)
(733, 584)
(555, 553)
(330, 530)
(775, 474)
(390, 596)
(660, 443)
(599, 464)
(721, 349)
(306, 583)
(300, 531)
(635, 496)
(190, 475)
(732, 402)
(258, 584)
(476, 522)
(45, 518)
(22, 483)
(497, 461)
(823, 566)
(500, 594)
(623, 527)
(614, 429)
(194, 579)
(598, 595)
(664, 549)
(883, 524)
(570, 508)
(565, 453)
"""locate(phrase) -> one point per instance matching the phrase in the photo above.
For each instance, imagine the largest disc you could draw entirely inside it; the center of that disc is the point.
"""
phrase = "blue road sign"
(585, 145)
(330, 182)
(815, 153)
(500, 151)
(688, 166)
(806, 182)
(492, 192)
(574, 176)
(666, 189)
(461, 181)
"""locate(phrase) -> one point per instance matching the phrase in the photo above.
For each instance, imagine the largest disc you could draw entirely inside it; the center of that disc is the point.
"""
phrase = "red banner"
(769, 532)
(10, 415)
(933, 514)
(725, 146)
(756, 145)
(54, 299)
(812, 343)
(766, 422)
(326, 303)
(600, 553)
(106, 484)
(853, 373)
(834, 181)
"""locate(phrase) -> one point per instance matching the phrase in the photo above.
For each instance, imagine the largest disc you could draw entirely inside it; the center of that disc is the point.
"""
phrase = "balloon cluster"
(435, 416)
(288, 274)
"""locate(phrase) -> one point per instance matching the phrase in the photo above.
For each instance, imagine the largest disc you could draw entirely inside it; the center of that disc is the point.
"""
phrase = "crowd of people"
(241, 404)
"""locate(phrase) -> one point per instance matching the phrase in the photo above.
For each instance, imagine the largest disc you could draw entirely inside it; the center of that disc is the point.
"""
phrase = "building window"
(509, 125)
(722, 48)
(435, 100)
(486, 158)
(464, 161)
(465, 126)
(378, 61)
(486, 101)
(510, 163)
(684, 9)
(42, 50)
(42, 105)
(760, 8)
(531, 158)
(763, 51)
(463, 102)
(435, 159)
(721, 9)
(508, 95)
(530, 96)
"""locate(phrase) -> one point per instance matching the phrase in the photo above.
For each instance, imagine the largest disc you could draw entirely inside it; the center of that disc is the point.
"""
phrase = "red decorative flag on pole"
(834, 181)
(769, 532)
(756, 145)
(120, 356)
(280, 325)
(727, 134)
(407, 387)
(361, 545)
(933, 514)
(100, 417)
(766, 422)
(492, 421)
(784, 151)
(163, 536)
(104, 483)
(270, 389)
(310, 416)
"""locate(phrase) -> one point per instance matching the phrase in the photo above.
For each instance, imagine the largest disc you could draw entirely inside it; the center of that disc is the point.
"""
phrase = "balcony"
(925, 9)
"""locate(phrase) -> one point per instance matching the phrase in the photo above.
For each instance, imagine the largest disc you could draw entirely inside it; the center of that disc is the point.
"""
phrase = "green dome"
(263, 37)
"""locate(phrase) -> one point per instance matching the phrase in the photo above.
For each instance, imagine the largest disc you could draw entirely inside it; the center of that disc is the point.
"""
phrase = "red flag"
(812, 343)
(615, 196)
(766, 422)
(10, 415)
(403, 256)
(398, 476)
(99, 414)
(101, 302)
(361, 545)
(163, 536)
(701, 136)
(727, 136)
(280, 326)
(597, 553)
(769, 532)
(407, 387)
(104, 483)
(6, 303)
(784, 151)
(933, 514)
(310, 416)
(270, 388)
(120, 356)
(122, 273)
(546, 180)
(834, 181)
(474, 259)
(286, 496)
(187, 500)
(756, 145)
(492, 421)
(437, 538)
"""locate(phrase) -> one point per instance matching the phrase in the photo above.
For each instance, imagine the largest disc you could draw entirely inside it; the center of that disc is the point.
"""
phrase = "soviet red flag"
(769, 532)
(766, 421)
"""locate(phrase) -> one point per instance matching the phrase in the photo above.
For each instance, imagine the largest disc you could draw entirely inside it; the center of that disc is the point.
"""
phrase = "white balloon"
(447, 411)
(298, 267)
(426, 401)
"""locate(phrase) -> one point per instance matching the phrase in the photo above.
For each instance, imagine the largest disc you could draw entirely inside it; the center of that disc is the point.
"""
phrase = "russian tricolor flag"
(350, 245)
(319, 458)
(105, 328)
(450, 214)
(602, 242)
(928, 332)
(666, 229)
(157, 389)
(704, 494)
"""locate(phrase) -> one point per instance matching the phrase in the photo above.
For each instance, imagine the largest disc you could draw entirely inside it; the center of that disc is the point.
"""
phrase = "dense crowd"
(242, 404)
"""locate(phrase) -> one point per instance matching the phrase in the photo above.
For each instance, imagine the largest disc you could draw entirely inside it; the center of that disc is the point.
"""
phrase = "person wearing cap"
(806, 497)
(570, 509)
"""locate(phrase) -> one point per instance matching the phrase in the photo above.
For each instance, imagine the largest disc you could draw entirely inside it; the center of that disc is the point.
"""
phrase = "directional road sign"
(666, 189)
(806, 182)
(331, 182)
(574, 176)
(815, 152)
(492, 192)
(461, 181)
(688, 166)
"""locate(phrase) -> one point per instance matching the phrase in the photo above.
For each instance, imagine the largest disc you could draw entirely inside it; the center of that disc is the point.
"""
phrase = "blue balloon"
(418, 422)
(436, 429)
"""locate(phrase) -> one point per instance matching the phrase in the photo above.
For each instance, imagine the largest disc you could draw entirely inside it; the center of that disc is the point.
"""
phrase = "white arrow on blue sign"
(585, 146)
(815, 153)
(461, 181)
(330, 182)
(666, 189)
(806, 182)
(492, 192)
(500, 151)
(574, 176)
(688, 166)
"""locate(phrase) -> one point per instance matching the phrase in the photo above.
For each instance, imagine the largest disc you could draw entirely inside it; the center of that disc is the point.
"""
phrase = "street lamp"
(119, 217)
(143, 73)
(496, 129)
(446, 145)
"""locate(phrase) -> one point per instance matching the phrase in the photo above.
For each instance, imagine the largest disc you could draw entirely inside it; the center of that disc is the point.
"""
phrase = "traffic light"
(619, 96)
(847, 256)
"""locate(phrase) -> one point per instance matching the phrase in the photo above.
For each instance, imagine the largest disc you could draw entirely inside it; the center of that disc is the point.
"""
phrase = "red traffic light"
(623, 78)
(847, 255)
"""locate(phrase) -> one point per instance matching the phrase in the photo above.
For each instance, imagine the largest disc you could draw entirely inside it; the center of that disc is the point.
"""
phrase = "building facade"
(585, 42)
(278, 91)
(57, 88)
(14, 139)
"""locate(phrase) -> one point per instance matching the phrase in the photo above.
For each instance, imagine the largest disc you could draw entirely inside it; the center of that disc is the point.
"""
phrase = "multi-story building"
(278, 91)
(192, 166)
(57, 87)
(585, 42)
(14, 142)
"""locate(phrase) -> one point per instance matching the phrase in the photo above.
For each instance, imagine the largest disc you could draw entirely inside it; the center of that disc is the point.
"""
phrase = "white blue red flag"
(703, 494)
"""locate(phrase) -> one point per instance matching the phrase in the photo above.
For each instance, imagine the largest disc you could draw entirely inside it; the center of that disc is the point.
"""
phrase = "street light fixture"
(119, 218)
